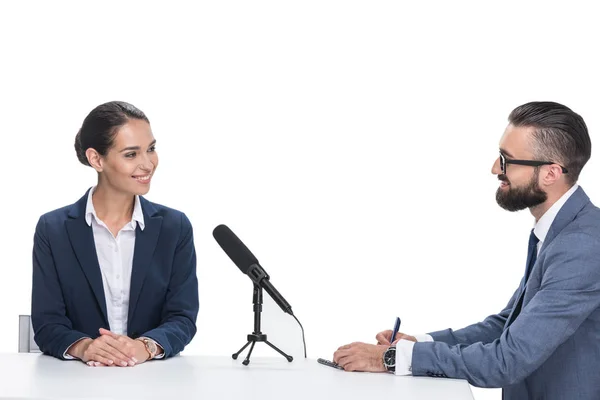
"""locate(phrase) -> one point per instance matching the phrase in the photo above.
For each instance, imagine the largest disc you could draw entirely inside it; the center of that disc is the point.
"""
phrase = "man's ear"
(551, 174)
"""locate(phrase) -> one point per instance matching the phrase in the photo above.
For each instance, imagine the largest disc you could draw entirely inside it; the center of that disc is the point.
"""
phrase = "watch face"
(151, 346)
(390, 356)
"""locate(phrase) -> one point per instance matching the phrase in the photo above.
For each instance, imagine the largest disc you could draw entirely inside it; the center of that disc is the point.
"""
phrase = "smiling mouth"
(142, 179)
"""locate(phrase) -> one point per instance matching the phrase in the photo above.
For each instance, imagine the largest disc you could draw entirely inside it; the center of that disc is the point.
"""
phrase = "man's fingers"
(406, 337)
(384, 337)
(346, 361)
(336, 356)
(339, 354)
(382, 340)
(350, 367)
(343, 357)
(349, 346)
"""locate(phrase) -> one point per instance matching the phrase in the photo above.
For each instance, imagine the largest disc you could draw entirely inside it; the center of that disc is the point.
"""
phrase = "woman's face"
(129, 164)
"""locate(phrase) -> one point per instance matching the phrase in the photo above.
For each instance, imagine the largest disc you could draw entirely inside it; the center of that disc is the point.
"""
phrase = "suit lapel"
(566, 215)
(82, 242)
(145, 245)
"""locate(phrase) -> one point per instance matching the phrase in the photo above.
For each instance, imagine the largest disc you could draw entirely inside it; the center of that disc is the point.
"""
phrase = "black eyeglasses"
(532, 163)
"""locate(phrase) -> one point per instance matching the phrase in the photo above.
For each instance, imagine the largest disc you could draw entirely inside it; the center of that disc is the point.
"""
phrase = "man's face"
(519, 187)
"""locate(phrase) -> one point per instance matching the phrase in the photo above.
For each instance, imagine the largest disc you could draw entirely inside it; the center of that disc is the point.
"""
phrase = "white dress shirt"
(404, 348)
(115, 257)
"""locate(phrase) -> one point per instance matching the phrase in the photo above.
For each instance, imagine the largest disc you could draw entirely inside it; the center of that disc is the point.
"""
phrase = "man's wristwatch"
(389, 359)
(151, 347)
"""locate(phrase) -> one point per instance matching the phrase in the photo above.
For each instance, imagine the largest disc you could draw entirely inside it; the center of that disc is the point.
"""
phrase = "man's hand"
(361, 357)
(384, 338)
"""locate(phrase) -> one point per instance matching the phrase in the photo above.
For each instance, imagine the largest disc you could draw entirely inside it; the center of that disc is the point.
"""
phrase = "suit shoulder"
(57, 216)
(171, 217)
(581, 237)
(587, 222)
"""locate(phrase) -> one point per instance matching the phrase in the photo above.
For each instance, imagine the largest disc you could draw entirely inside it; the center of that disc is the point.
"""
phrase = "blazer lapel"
(566, 215)
(82, 241)
(145, 245)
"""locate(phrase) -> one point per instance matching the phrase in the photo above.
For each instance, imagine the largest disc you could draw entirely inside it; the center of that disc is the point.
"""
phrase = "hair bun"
(79, 150)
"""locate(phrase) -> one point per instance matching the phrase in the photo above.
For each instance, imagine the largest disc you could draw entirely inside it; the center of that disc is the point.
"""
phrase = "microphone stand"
(257, 335)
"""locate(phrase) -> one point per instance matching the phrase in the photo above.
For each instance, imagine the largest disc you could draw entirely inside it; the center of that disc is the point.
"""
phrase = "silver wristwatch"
(389, 359)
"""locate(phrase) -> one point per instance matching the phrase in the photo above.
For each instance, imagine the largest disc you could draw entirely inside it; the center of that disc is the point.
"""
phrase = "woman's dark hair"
(560, 135)
(101, 125)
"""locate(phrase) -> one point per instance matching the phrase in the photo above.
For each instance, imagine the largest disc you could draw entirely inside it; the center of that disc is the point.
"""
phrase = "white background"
(347, 143)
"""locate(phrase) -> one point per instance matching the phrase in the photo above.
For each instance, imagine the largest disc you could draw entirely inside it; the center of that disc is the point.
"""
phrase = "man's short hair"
(560, 135)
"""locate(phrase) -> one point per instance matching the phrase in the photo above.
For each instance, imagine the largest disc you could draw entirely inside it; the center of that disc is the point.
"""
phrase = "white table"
(39, 377)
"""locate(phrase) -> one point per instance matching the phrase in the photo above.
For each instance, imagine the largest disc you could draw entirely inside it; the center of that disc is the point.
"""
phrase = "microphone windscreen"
(234, 248)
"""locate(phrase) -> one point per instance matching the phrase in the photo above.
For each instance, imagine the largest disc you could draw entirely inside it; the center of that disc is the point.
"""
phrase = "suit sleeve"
(485, 331)
(178, 319)
(568, 294)
(53, 331)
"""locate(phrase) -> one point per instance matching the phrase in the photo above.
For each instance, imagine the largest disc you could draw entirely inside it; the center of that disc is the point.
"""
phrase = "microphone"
(248, 264)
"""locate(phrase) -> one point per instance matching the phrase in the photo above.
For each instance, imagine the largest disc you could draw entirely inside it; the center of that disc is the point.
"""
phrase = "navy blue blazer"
(68, 297)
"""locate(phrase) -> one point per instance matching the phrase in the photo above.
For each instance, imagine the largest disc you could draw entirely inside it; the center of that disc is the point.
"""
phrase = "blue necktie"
(531, 254)
(531, 257)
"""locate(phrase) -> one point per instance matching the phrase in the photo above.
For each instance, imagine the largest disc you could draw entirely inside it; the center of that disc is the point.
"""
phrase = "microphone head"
(234, 248)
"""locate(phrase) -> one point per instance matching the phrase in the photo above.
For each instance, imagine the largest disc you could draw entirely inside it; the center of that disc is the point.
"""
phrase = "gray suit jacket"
(552, 349)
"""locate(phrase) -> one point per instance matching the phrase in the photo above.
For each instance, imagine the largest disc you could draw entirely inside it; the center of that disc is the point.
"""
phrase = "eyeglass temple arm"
(533, 163)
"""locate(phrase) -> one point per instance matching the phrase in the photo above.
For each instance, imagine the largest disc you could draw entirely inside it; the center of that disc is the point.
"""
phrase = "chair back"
(26, 342)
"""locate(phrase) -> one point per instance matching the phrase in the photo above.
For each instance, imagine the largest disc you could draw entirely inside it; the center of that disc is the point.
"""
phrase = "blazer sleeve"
(178, 319)
(53, 331)
(568, 294)
(485, 331)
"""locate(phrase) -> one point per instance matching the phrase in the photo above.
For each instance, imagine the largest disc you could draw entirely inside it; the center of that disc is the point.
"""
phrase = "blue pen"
(396, 329)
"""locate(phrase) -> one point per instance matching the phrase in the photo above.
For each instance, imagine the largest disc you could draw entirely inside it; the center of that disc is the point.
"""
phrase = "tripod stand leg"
(235, 356)
(289, 358)
(247, 360)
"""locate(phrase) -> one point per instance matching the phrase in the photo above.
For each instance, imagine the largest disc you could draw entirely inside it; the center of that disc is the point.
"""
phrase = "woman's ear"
(94, 159)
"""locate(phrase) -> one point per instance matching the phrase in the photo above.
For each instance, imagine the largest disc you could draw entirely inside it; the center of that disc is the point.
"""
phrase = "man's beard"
(516, 199)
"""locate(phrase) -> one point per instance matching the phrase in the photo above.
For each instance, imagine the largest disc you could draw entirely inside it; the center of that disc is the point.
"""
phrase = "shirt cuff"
(404, 349)
(424, 338)
(161, 355)
(68, 356)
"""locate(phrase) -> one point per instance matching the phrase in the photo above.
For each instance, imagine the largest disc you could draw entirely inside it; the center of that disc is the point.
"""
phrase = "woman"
(114, 275)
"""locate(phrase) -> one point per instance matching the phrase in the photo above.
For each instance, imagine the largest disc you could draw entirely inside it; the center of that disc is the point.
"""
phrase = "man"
(546, 343)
